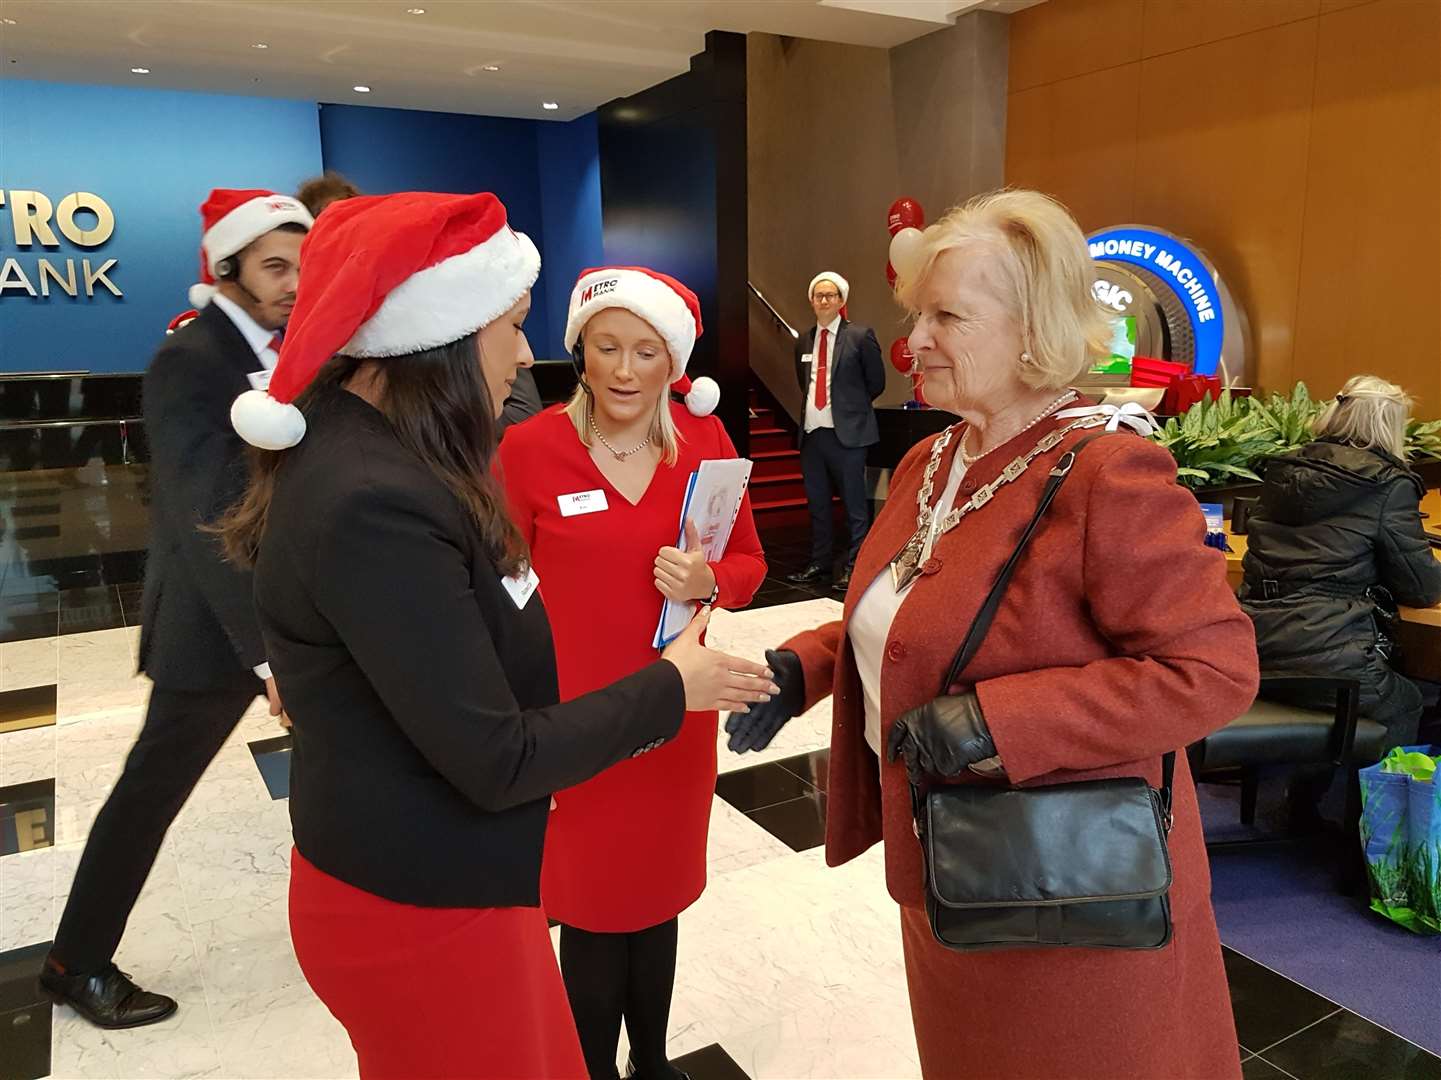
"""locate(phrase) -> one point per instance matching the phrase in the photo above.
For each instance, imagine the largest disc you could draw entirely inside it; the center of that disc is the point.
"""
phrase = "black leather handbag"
(1083, 865)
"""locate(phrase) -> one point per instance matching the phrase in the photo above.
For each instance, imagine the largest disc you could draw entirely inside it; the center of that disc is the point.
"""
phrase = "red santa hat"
(181, 319)
(387, 275)
(233, 219)
(671, 308)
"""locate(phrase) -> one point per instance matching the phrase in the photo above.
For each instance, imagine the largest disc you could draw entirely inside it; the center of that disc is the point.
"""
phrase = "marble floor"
(787, 968)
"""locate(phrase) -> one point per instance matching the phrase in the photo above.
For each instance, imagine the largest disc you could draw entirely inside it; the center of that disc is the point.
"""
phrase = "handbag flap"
(1066, 843)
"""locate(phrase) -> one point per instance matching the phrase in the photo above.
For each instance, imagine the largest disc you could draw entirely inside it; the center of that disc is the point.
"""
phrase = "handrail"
(776, 315)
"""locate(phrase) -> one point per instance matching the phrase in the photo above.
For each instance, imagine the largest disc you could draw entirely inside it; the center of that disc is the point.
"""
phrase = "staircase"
(778, 495)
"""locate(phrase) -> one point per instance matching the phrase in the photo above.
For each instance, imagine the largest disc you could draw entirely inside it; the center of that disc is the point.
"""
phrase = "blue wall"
(570, 201)
(153, 156)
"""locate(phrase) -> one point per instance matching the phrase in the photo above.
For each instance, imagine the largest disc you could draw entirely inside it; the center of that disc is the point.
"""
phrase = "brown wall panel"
(1369, 271)
(1063, 38)
(1077, 140)
(1169, 25)
(1231, 175)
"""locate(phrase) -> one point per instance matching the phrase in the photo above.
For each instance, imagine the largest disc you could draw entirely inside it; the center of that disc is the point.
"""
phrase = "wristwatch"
(713, 597)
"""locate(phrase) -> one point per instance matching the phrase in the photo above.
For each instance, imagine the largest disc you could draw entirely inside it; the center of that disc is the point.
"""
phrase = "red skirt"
(626, 850)
(434, 992)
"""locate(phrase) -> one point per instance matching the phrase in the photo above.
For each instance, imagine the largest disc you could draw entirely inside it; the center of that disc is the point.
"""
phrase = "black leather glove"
(755, 730)
(942, 738)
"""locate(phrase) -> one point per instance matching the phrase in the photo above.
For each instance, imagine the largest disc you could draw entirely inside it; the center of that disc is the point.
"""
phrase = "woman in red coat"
(597, 487)
(1118, 640)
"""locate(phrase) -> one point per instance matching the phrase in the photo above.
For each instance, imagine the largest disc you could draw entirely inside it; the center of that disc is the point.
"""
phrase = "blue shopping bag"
(1401, 837)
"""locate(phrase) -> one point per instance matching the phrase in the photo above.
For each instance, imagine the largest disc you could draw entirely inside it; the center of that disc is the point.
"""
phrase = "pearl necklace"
(620, 455)
(970, 459)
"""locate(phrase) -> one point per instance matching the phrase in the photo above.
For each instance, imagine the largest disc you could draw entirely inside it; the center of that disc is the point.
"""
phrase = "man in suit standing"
(200, 640)
(838, 366)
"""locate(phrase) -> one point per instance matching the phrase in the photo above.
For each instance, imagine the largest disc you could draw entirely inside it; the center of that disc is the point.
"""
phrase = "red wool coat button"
(931, 566)
(896, 651)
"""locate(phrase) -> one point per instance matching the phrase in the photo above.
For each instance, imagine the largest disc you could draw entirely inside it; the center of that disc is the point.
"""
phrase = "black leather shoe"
(108, 998)
(844, 581)
(814, 572)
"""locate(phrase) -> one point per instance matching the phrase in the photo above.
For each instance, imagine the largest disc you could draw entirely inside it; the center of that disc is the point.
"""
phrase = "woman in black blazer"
(415, 658)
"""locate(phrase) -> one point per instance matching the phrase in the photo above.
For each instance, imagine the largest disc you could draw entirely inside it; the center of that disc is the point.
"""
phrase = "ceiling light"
(549, 106)
(415, 11)
(361, 89)
(260, 45)
(140, 71)
(489, 67)
(9, 22)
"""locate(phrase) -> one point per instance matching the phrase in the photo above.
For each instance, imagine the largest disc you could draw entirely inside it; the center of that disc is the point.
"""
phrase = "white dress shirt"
(870, 624)
(256, 336)
(819, 418)
(259, 339)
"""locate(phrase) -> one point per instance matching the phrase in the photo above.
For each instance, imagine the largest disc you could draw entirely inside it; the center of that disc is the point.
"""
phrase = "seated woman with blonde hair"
(1336, 542)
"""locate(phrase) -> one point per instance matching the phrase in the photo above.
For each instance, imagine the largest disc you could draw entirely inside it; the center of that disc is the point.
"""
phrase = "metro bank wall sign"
(1179, 268)
(83, 218)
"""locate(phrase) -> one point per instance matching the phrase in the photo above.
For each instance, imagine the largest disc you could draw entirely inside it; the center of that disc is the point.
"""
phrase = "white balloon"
(906, 251)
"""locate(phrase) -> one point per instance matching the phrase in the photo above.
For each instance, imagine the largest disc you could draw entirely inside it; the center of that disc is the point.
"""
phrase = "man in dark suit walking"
(200, 640)
(838, 366)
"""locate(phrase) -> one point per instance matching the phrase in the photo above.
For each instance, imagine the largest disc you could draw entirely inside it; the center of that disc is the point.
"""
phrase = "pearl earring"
(1026, 358)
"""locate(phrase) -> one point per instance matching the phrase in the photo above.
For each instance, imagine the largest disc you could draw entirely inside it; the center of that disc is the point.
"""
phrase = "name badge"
(808, 358)
(260, 380)
(522, 587)
(582, 502)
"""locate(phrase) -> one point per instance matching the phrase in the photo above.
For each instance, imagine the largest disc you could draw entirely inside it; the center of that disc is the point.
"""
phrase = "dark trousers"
(828, 467)
(183, 732)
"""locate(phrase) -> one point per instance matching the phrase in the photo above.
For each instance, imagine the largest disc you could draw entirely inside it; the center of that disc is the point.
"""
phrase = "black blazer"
(858, 377)
(427, 738)
(198, 625)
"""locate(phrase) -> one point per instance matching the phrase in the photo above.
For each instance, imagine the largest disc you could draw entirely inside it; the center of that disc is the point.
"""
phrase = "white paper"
(260, 380)
(712, 503)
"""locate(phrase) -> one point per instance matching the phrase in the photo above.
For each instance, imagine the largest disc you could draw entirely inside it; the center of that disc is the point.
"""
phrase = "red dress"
(625, 850)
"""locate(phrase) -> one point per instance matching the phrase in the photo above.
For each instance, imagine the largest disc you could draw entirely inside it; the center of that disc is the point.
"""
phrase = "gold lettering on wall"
(78, 201)
(48, 271)
(30, 217)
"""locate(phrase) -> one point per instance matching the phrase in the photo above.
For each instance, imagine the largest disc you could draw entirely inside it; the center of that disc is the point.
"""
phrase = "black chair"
(1273, 734)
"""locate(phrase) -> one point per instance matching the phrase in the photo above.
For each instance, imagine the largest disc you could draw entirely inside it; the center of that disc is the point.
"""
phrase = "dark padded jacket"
(1334, 523)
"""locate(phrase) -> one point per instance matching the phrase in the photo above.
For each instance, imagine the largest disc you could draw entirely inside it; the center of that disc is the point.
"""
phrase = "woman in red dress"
(596, 488)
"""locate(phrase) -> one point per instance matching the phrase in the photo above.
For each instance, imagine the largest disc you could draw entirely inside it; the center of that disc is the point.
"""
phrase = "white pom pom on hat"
(387, 275)
(702, 395)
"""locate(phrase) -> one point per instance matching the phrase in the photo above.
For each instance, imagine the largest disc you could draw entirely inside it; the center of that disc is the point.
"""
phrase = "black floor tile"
(27, 627)
(760, 786)
(773, 596)
(32, 707)
(1259, 1069)
(38, 491)
(24, 509)
(1269, 1007)
(710, 1063)
(130, 603)
(800, 824)
(24, 1015)
(27, 816)
(272, 758)
(1349, 1047)
(36, 532)
(85, 610)
(813, 768)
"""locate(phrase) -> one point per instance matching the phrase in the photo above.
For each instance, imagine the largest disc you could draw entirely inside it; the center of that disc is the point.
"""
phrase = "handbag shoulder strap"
(981, 625)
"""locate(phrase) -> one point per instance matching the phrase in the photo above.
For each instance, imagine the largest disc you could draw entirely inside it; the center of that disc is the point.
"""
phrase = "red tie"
(822, 356)
(274, 345)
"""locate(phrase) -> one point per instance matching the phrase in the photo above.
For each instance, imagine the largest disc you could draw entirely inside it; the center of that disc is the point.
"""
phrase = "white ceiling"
(576, 53)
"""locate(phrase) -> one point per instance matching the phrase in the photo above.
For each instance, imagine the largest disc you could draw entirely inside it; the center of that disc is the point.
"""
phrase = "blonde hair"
(662, 426)
(1369, 413)
(1047, 267)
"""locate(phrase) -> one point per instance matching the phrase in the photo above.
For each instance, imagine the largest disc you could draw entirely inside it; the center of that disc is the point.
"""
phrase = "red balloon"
(902, 359)
(890, 274)
(905, 213)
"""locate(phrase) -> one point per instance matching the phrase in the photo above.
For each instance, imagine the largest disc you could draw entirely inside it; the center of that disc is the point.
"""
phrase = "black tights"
(613, 976)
